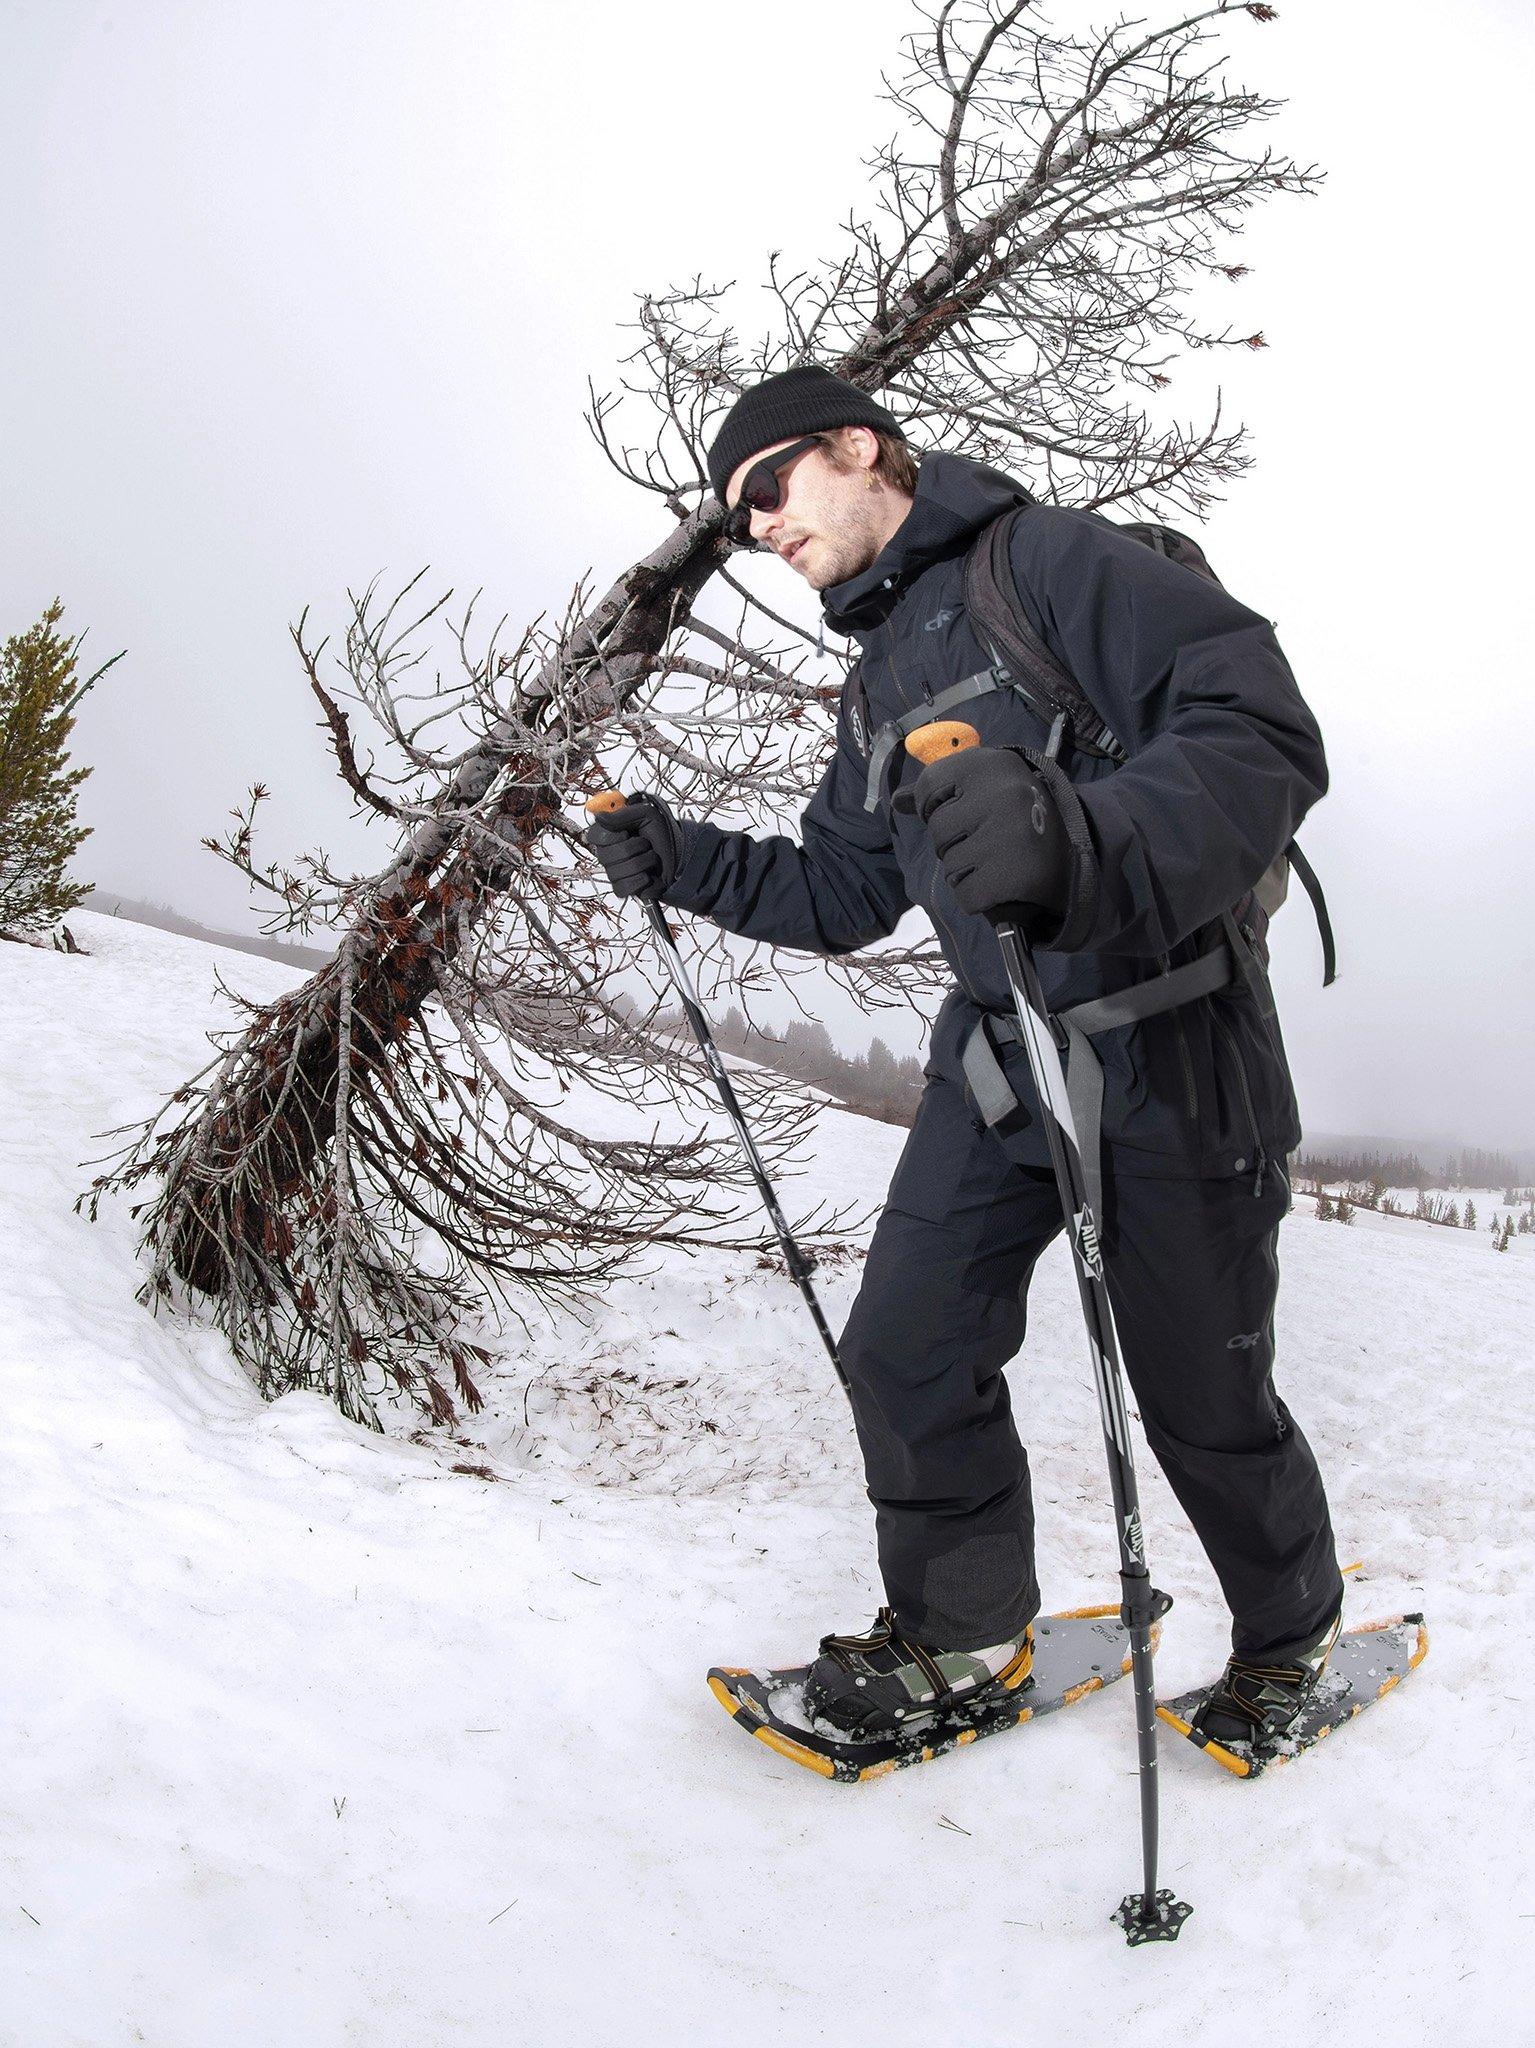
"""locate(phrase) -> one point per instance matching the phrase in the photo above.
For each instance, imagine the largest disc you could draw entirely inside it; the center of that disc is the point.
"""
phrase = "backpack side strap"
(1217, 968)
(1313, 889)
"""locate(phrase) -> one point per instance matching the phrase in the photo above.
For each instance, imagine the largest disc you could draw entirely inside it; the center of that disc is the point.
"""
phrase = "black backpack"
(1022, 662)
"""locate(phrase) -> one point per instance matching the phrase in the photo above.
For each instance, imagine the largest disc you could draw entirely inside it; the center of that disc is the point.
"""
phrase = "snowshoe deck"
(1074, 1654)
(1366, 1663)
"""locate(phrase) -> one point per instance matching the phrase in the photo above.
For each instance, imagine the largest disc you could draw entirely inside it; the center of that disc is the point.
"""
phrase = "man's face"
(829, 523)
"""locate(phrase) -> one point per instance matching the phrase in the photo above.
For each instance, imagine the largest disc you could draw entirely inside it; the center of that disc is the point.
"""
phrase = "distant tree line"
(877, 1083)
(1472, 1167)
(1391, 1169)
(1475, 1168)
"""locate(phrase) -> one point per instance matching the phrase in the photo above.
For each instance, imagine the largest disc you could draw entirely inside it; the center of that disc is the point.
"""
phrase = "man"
(1121, 872)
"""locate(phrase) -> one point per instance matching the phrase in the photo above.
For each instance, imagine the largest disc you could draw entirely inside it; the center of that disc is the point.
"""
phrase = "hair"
(895, 464)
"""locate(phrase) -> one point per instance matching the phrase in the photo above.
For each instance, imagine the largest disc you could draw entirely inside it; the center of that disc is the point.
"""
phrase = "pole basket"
(1163, 1923)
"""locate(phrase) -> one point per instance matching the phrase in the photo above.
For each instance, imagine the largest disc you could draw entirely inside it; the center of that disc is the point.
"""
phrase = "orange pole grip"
(944, 736)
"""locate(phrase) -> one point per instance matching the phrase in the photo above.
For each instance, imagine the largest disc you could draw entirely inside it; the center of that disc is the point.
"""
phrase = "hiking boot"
(884, 1683)
(1256, 1699)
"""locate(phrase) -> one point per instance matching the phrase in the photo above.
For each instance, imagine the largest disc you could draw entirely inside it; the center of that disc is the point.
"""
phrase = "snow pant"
(1192, 1274)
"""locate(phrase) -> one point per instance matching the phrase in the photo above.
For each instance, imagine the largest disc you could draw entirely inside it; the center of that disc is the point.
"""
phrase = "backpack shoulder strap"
(991, 598)
(1168, 541)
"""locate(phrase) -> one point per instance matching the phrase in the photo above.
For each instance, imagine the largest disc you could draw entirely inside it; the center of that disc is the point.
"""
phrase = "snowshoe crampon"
(1074, 1654)
(1365, 1664)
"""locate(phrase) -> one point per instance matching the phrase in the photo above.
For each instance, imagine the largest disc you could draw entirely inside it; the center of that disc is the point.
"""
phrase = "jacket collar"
(954, 499)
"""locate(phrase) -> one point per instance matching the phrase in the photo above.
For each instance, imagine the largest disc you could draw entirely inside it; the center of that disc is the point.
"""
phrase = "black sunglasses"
(762, 490)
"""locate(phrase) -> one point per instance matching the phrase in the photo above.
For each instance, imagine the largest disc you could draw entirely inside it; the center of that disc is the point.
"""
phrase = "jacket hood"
(954, 499)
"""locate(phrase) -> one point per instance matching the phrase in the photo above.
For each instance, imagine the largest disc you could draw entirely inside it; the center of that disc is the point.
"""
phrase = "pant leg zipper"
(1260, 1161)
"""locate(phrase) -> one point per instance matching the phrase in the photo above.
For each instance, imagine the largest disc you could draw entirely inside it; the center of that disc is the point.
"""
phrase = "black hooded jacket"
(1225, 759)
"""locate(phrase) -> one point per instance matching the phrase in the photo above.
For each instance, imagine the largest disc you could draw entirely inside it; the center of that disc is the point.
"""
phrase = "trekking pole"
(1147, 1915)
(800, 1266)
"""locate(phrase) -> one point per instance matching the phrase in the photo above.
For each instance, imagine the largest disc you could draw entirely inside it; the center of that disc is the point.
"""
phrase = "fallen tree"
(372, 1154)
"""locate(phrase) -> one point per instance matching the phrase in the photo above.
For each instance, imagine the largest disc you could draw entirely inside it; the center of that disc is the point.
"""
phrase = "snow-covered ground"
(1488, 1205)
(311, 1740)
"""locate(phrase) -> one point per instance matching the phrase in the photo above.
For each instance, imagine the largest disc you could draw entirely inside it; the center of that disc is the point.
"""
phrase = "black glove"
(998, 832)
(640, 846)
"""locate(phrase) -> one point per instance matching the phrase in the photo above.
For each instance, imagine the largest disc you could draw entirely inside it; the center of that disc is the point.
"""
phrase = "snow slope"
(311, 1739)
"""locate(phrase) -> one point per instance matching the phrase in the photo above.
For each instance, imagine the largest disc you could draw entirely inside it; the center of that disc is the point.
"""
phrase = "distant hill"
(889, 1093)
(109, 904)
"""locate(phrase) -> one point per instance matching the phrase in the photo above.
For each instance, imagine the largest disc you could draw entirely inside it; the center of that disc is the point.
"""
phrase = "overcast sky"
(298, 294)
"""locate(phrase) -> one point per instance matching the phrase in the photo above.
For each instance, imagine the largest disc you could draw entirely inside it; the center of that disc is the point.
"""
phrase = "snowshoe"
(1064, 1658)
(1259, 1714)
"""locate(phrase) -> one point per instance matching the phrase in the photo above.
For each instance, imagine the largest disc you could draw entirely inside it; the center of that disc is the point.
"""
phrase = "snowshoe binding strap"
(1256, 1702)
(881, 1682)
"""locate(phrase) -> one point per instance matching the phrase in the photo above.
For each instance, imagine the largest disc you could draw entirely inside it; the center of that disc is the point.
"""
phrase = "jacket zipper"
(940, 921)
(907, 701)
(1190, 1085)
(1259, 1159)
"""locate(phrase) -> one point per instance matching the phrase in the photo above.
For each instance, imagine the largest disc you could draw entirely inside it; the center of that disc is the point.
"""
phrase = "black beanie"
(782, 408)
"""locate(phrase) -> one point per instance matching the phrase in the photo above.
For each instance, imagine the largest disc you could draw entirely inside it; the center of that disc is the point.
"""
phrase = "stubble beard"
(842, 553)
